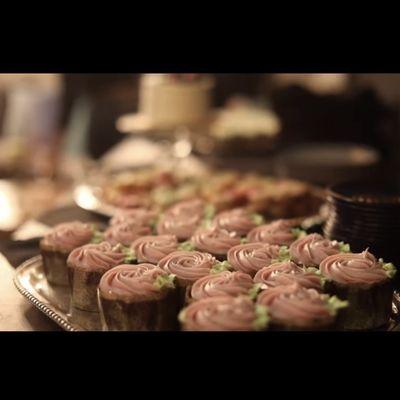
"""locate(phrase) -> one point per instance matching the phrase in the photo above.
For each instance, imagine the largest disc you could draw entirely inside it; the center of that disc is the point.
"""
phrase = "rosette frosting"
(136, 216)
(287, 273)
(188, 266)
(214, 240)
(310, 250)
(125, 233)
(153, 248)
(181, 225)
(293, 305)
(68, 236)
(353, 268)
(132, 283)
(277, 232)
(223, 313)
(238, 221)
(225, 283)
(193, 207)
(92, 257)
(251, 257)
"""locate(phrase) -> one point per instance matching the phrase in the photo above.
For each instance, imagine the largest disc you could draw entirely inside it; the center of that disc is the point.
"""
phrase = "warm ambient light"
(10, 209)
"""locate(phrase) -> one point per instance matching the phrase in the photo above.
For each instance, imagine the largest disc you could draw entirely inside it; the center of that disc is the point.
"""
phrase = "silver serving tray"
(51, 300)
(54, 301)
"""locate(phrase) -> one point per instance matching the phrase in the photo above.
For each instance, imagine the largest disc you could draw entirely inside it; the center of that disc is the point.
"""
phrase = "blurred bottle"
(31, 122)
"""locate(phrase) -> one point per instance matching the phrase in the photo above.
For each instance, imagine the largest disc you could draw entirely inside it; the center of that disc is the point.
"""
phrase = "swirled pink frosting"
(220, 313)
(130, 200)
(251, 257)
(92, 257)
(187, 207)
(277, 232)
(136, 216)
(350, 268)
(287, 273)
(132, 283)
(125, 233)
(238, 221)
(225, 283)
(153, 248)
(214, 240)
(310, 250)
(293, 305)
(182, 226)
(68, 236)
(188, 266)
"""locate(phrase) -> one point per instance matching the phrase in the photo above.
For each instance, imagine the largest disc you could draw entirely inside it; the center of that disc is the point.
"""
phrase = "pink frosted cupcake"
(225, 283)
(56, 246)
(238, 221)
(287, 273)
(135, 216)
(281, 232)
(214, 241)
(312, 249)
(125, 233)
(86, 266)
(251, 257)
(151, 249)
(224, 313)
(292, 307)
(188, 267)
(138, 298)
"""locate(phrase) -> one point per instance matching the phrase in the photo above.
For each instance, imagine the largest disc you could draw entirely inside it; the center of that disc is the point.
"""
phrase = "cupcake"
(367, 285)
(251, 257)
(191, 207)
(188, 267)
(292, 307)
(182, 226)
(56, 246)
(281, 232)
(138, 298)
(287, 273)
(310, 250)
(224, 313)
(214, 241)
(125, 233)
(225, 283)
(136, 216)
(86, 266)
(151, 249)
(238, 221)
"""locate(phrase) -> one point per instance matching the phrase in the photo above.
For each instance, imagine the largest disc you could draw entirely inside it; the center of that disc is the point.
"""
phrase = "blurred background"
(320, 128)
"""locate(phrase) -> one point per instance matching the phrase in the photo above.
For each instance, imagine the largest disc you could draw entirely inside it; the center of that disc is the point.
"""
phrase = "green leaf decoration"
(344, 247)
(209, 211)
(390, 269)
(165, 281)
(262, 318)
(206, 223)
(244, 240)
(221, 267)
(97, 237)
(187, 246)
(298, 233)
(335, 304)
(258, 219)
(283, 255)
(130, 256)
(253, 292)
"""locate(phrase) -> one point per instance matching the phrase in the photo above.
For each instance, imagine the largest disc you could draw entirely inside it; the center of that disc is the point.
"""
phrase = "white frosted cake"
(169, 101)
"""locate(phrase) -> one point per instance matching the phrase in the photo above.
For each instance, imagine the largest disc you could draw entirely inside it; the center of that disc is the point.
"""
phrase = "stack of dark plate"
(366, 215)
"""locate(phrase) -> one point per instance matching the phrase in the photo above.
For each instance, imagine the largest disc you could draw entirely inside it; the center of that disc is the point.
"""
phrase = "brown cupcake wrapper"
(55, 266)
(151, 315)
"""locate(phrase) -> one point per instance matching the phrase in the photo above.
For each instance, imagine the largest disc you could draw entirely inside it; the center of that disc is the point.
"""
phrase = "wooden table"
(16, 313)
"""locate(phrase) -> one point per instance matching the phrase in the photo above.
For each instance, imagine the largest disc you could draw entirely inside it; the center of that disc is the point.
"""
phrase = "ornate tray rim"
(46, 308)
(54, 313)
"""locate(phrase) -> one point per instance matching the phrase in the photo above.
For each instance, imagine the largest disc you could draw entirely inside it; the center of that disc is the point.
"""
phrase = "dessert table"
(16, 313)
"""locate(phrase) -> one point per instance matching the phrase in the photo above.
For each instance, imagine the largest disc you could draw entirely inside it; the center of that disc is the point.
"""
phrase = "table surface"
(16, 313)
